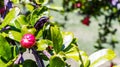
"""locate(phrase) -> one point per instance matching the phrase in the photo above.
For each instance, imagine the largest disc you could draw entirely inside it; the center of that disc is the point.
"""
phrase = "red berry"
(28, 40)
(86, 21)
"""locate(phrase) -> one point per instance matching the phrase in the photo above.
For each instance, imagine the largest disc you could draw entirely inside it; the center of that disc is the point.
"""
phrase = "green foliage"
(5, 49)
(43, 44)
(27, 29)
(101, 57)
(29, 63)
(15, 1)
(55, 45)
(29, 7)
(56, 61)
(12, 35)
(39, 1)
(43, 2)
(37, 13)
(10, 17)
(2, 64)
(57, 39)
(67, 38)
(19, 21)
(78, 55)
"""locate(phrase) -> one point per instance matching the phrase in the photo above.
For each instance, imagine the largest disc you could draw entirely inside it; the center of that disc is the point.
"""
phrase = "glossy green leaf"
(15, 51)
(29, 63)
(67, 38)
(56, 61)
(10, 17)
(30, 7)
(4, 34)
(43, 2)
(39, 34)
(78, 55)
(5, 49)
(10, 63)
(2, 64)
(56, 8)
(43, 44)
(15, 1)
(39, 1)
(19, 21)
(15, 24)
(27, 29)
(15, 35)
(101, 57)
(57, 39)
(37, 13)
(22, 20)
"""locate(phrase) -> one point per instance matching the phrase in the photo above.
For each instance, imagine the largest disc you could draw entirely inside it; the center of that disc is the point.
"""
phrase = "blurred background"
(95, 23)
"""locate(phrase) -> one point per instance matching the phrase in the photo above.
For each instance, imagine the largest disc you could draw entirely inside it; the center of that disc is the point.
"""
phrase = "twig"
(80, 57)
(46, 53)
(20, 58)
(38, 60)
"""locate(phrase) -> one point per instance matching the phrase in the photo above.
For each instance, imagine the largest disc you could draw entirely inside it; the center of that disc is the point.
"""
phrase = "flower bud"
(40, 23)
(27, 41)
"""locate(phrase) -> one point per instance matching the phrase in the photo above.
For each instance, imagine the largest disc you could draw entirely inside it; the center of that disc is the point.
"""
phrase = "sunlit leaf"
(41, 1)
(15, 35)
(56, 61)
(15, 51)
(4, 34)
(72, 52)
(19, 21)
(2, 64)
(43, 44)
(77, 55)
(56, 37)
(67, 38)
(5, 49)
(15, 1)
(10, 16)
(101, 57)
(27, 29)
(29, 7)
(37, 13)
(56, 8)
(22, 20)
(39, 34)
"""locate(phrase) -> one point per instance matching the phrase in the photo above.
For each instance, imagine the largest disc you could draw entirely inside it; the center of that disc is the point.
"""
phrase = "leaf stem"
(20, 58)
(80, 57)
(45, 52)
(38, 60)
